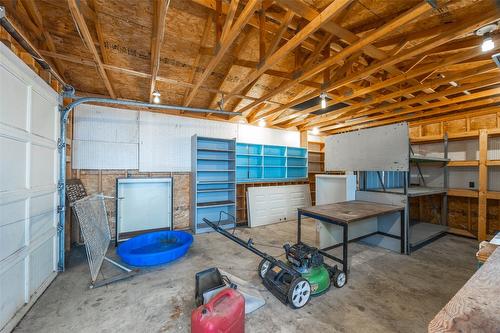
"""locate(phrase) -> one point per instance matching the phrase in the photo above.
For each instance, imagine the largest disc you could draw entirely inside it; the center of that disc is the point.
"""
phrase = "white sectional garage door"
(28, 187)
(272, 204)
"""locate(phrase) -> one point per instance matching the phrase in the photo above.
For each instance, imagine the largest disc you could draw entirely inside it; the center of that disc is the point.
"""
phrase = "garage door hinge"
(60, 186)
(61, 209)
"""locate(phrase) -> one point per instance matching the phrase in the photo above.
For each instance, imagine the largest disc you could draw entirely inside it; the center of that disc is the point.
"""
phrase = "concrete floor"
(386, 291)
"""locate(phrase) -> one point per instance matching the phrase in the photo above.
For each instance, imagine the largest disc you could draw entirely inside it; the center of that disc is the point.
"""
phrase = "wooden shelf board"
(458, 192)
(493, 195)
(463, 163)
(461, 232)
(493, 163)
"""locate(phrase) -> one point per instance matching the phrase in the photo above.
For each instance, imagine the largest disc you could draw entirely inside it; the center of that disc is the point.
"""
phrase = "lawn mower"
(305, 273)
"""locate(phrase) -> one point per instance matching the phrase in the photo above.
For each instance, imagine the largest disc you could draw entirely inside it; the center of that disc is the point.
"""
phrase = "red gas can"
(224, 313)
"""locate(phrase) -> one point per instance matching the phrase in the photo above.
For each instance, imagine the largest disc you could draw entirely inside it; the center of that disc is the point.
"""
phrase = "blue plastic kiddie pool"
(155, 248)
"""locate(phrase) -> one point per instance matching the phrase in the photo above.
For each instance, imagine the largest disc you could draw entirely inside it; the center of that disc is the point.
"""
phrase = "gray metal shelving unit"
(419, 233)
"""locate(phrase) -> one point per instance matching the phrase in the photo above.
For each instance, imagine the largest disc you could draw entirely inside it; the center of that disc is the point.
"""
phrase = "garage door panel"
(13, 173)
(13, 96)
(273, 204)
(12, 289)
(42, 166)
(12, 238)
(41, 264)
(28, 193)
(43, 217)
(43, 119)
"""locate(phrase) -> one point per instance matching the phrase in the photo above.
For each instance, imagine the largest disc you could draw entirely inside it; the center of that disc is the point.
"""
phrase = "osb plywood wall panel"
(426, 209)
(493, 217)
(105, 182)
(462, 213)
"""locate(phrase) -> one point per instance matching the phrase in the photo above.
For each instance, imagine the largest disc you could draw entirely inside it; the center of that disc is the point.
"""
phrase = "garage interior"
(258, 165)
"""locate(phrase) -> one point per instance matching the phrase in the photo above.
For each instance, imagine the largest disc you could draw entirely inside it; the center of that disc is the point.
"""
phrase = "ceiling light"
(315, 130)
(453, 83)
(156, 97)
(488, 44)
(262, 122)
(323, 100)
(486, 31)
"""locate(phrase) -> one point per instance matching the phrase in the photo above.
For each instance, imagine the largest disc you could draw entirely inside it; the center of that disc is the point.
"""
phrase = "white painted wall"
(111, 138)
(28, 192)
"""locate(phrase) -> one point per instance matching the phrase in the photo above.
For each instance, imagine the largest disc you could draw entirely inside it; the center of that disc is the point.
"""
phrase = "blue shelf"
(256, 163)
(213, 166)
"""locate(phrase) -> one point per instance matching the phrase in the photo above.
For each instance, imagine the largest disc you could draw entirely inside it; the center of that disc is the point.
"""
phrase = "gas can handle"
(217, 299)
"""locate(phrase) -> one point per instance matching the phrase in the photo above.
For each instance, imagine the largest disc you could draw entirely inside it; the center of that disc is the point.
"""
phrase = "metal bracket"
(433, 3)
(68, 91)
(2, 12)
(60, 145)
(60, 186)
(60, 209)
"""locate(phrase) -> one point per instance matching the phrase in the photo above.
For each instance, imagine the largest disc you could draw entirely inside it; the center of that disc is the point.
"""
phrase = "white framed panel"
(13, 175)
(143, 204)
(14, 95)
(272, 204)
(384, 148)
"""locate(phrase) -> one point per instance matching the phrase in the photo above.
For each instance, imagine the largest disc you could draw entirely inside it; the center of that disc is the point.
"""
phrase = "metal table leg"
(344, 249)
(299, 222)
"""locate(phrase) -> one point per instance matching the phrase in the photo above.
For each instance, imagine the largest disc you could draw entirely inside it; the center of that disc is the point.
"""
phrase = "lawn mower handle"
(248, 245)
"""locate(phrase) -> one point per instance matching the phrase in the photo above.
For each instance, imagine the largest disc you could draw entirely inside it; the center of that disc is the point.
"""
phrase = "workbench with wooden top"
(355, 220)
(475, 307)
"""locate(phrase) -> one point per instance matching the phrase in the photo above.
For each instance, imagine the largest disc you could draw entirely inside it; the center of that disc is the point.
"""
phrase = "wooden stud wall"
(474, 213)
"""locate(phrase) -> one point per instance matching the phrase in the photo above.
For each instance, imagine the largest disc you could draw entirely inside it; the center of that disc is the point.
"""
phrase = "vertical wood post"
(483, 184)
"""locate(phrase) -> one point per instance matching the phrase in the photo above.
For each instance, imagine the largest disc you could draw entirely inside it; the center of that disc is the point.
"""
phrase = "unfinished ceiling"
(378, 61)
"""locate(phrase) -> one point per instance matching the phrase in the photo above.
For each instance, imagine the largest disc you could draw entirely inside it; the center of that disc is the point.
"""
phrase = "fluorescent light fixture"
(315, 130)
(323, 100)
(156, 97)
(453, 83)
(488, 44)
(262, 122)
(466, 92)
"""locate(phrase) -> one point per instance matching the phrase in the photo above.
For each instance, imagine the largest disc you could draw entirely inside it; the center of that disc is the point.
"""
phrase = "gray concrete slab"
(385, 292)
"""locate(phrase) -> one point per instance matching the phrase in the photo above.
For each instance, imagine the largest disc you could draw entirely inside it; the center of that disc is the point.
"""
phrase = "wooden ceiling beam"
(339, 57)
(240, 23)
(319, 120)
(456, 100)
(203, 41)
(160, 8)
(283, 51)
(453, 32)
(33, 11)
(87, 39)
(438, 112)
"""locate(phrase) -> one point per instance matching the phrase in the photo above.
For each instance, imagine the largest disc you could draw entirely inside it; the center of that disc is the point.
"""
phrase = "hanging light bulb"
(315, 131)
(262, 122)
(487, 44)
(156, 97)
(323, 100)
(485, 32)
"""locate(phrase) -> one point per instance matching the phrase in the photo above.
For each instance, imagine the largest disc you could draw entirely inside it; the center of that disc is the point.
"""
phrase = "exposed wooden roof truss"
(377, 61)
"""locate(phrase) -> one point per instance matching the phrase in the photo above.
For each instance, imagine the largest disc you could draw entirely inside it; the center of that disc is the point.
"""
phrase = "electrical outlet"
(471, 184)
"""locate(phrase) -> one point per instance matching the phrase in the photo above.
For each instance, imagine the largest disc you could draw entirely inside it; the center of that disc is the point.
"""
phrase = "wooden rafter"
(452, 32)
(87, 39)
(310, 28)
(160, 8)
(482, 104)
(353, 48)
(204, 38)
(348, 111)
(240, 23)
(34, 12)
(478, 95)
